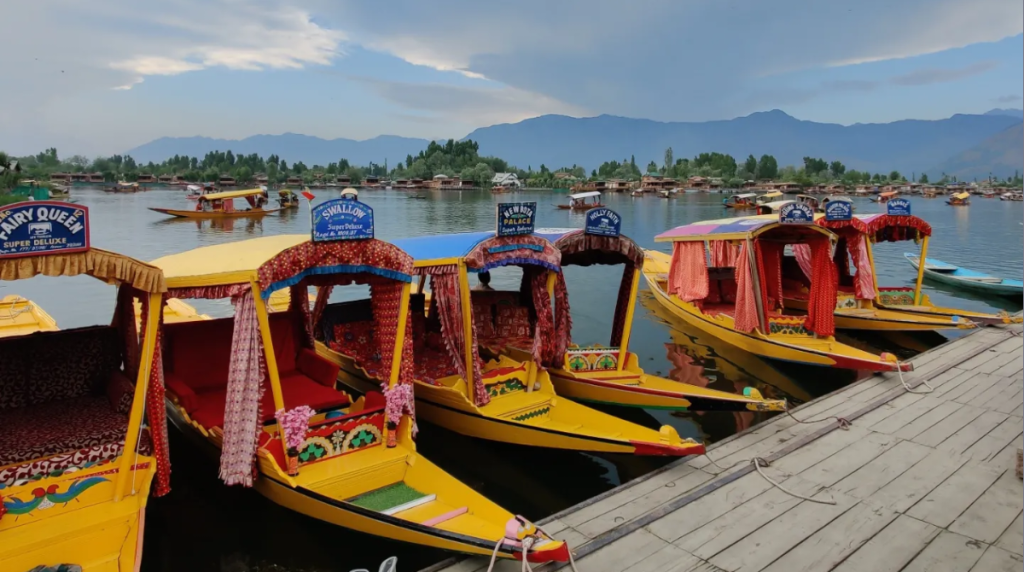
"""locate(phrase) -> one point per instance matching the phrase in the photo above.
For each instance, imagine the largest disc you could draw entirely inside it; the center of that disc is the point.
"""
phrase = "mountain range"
(959, 145)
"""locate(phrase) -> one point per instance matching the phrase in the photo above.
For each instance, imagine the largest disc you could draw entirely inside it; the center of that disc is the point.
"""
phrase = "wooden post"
(131, 439)
(921, 261)
(467, 329)
(762, 317)
(627, 327)
(403, 316)
(270, 359)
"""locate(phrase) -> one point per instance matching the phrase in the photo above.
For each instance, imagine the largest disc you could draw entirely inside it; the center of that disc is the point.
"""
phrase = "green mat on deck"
(387, 497)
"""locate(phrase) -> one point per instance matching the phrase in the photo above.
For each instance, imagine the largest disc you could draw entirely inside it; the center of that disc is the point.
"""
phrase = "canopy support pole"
(762, 319)
(874, 271)
(271, 360)
(920, 271)
(627, 327)
(131, 439)
(467, 328)
(403, 316)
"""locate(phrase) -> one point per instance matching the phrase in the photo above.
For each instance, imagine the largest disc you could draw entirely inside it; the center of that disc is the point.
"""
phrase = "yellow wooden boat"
(723, 299)
(353, 463)
(76, 464)
(20, 316)
(611, 374)
(866, 305)
(506, 399)
(221, 205)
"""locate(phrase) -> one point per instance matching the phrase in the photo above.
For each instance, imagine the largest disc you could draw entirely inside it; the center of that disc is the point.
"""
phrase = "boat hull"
(885, 320)
(213, 215)
(969, 280)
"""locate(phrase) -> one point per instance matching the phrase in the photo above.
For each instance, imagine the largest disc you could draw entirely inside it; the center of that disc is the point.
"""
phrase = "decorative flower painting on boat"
(51, 496)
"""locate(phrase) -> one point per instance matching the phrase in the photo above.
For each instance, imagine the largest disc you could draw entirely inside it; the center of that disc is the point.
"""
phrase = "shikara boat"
(965, 278)
(579, 202)
(349, 462)
(193, 192)
(288, 199)
(739, 297)
(123, 187)
(959, 199)
(222, 205)
(20, 316)
(770, 196)
(76, 463)
(773, 207)
(611, 374)
(861, 304)
(505, 399)
(740, 201)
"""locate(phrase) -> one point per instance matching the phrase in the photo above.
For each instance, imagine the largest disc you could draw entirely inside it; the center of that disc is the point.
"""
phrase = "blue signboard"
(898, 207)
(342, 219)
(41, 227)
(839, 210)
(516, 218)
(603, 222)
(796, 213)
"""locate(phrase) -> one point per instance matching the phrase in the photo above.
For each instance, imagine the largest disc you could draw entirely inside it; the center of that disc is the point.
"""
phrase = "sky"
(104, 76)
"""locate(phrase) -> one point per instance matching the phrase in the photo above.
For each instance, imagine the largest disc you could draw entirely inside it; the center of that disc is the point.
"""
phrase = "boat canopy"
(775, 205)
(104, 265)
(888, 194)
(744, 196)
(739, 228)
(881, 227)
(480, 251)
(193, 188)
(963, 195)
(224, 195)
(587, 194)
(840, 199)
(581, 249)
(772, 194)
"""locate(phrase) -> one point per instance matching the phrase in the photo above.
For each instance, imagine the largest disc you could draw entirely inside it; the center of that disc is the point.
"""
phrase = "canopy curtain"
(745, 319)
(824, 283)
(298, 304)
(864, 280)
(769, 262)
(323, 294)
(563, 322)
(444, 285)
(386, 299)
(802, 252)
(622, 305)
(688, 273)
(124, 321)
(723, 254)
(104, 265)
(156, 409)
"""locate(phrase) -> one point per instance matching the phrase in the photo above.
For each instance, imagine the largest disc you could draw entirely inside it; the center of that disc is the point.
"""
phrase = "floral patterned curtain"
(769, 262)
(864, 281)
(445, 290)
(563, 323)
(156, 410)
(244, 392)
(386, 299)
(323, 294)
(543, 339)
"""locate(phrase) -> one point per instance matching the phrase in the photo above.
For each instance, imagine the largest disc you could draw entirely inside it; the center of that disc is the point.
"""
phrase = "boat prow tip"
(558, 553)
(684, 449)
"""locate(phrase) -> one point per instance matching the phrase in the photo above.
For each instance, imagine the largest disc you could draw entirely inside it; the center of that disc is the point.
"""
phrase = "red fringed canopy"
(514, 250)
(581, 249)
(881, 228)
(342, 257)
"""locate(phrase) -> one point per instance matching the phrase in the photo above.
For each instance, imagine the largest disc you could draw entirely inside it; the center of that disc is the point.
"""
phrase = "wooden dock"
(920, 482)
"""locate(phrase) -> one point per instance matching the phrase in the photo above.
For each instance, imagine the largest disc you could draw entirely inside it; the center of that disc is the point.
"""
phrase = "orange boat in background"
(222, 205)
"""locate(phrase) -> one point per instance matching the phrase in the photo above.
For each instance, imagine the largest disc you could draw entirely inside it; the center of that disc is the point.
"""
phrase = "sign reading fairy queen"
(342, 219)
(42, 227)
(796, 213)
(516, 218)
(603, 221)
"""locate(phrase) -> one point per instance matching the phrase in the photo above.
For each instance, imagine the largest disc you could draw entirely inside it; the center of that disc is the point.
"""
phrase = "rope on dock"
(526, 544)
(758, 463)
(924, 382)
(843, 422)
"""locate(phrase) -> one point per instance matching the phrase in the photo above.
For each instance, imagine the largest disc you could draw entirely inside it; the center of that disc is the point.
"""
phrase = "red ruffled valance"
(582, 249)
(514, 250)
(315, 258)
(882, 228)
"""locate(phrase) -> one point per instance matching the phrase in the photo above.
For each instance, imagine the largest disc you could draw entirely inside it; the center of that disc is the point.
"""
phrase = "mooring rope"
(526, 544)
(760, 462)
(924, 382)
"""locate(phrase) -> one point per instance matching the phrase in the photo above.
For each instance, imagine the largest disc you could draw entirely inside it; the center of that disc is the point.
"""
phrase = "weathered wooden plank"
(624, 552)
(998, 385)
(906, 415)
(892, 548)
(815, 452)
(835, 468)
(905, 490)
(956, 421)
(780, 535)
(626, 495)
(868, 479)
(969, 384)
(947, 553)
(560, 530)
(926, 421)
(829, 546)
(998, 560)
(1007, 457)
(989, 446)
(1016, 355)
(965, 438)
(1011, 369)
(950, 499)
(704, 510)
(1012, 403)
(642, 504)
(879, 414)
(1012, 538)
(978, 361)
(1010, 394)
(668, 559)
(951, 375)
(993, 512)
(985, 383)
(741, 522)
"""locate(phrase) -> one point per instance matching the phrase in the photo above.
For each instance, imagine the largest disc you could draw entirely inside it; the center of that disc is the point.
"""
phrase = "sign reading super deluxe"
(516, 218)
(41, 227)
(603, 222)
(796, 213)
(342, 219)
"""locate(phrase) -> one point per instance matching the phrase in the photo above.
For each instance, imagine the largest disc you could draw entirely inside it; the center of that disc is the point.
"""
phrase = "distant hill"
(291, 147)
(1018, 113)
(1001, 155)
(907, 146)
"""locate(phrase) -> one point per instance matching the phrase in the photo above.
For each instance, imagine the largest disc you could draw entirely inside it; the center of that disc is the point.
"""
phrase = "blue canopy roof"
(439, 246)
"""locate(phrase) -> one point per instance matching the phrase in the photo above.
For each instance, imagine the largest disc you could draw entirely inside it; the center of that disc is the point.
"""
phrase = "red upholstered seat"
(28, 433)
(297, 389)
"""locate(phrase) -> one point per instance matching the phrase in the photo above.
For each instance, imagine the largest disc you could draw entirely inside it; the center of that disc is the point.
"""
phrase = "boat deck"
(920, 481)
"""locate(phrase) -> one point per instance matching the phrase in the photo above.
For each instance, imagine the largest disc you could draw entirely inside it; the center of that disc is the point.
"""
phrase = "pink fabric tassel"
(244, 392)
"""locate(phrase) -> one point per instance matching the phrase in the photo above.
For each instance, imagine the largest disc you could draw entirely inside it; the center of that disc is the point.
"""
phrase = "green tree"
(837, 168)
(668, 160)
(924, 179)
(895, 176)
(750, 165)
(814, 166)
(767, 168)
(10, 172)
(652, 168)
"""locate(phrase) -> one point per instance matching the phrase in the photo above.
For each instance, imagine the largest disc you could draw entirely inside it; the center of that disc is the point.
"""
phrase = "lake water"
(203, 525)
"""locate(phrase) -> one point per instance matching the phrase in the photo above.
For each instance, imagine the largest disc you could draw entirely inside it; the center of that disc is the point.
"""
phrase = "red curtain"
(746, 307)
(824, 283)
(156, 409)
(723, 254)
(688, 274)
(802, 252)
(445, 290)
(323, 294)
(622, 305)
(769, 262)
(864, 281)
(563, 323)
(246, 373)
(386, 300)
(298, 304)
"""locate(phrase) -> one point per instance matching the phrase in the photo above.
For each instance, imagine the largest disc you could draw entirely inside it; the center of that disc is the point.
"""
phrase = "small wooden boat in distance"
(579, 202)
(740, 201)
(221, 205)
(968, 279)
(959, 199)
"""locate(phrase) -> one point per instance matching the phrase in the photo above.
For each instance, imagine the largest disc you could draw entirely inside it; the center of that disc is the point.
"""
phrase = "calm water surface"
(203, 525)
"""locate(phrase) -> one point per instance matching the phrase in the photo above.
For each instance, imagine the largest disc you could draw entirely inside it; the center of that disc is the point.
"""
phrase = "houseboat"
(696, 184)
(222, 205)
(262, 180)
(615, 185)
(79, 178)
(77, 464)
(60, 178)
(653, 183)
(146, 179)
(165, 179)
(96, 178)
(287, 429)
(293, 181)
(371, 182)
(226, 181)
(961, 199)
(122, 187)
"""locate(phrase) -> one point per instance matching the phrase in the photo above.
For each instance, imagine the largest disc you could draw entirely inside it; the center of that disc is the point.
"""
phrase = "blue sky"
(113, 74)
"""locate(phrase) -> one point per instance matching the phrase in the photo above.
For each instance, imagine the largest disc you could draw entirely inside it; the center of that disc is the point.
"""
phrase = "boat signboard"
(796, 213)
(839, 210)
(342, 219)
(33, 228)
(516, 218)
(603, 221)
(898, 207)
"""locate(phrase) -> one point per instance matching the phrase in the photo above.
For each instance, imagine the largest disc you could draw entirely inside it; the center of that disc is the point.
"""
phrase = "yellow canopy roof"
(962, 195)
(231, 194)
(772, 194)
(223, 264)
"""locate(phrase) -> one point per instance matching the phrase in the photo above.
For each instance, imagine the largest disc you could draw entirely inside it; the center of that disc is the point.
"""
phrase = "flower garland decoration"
(398, 401)
(294, 424)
